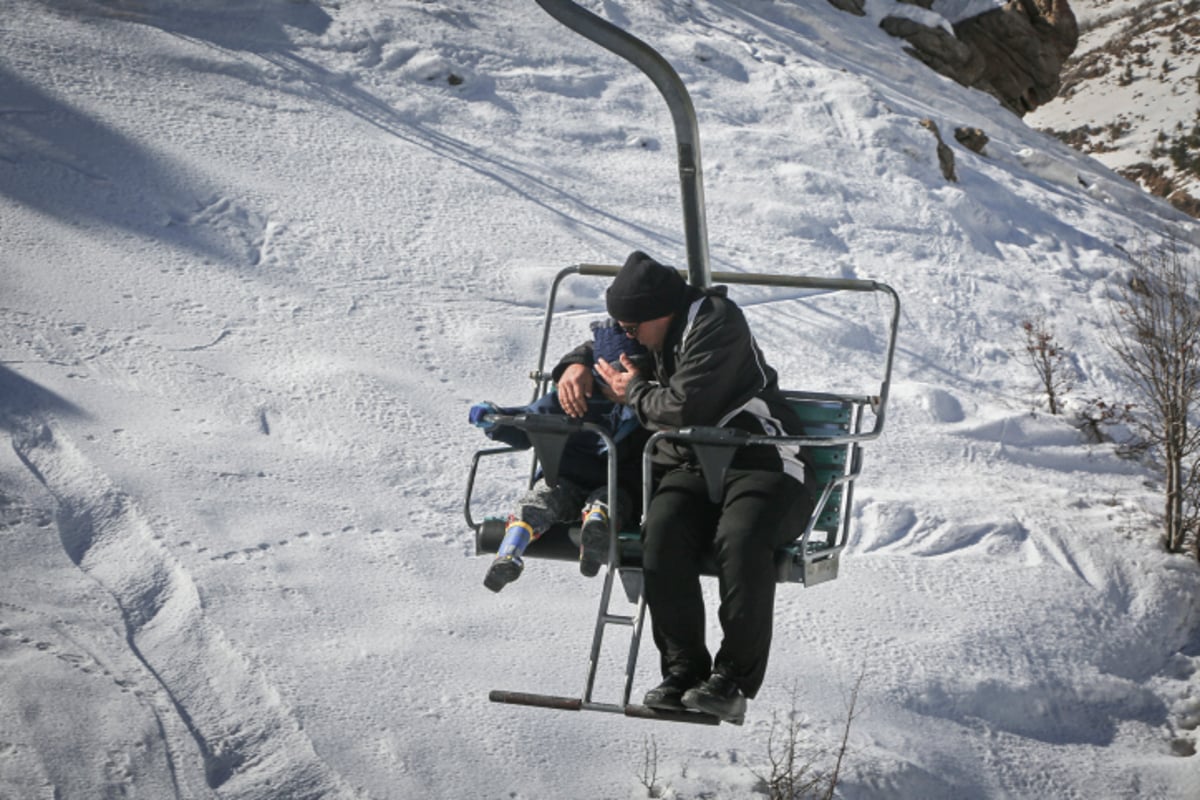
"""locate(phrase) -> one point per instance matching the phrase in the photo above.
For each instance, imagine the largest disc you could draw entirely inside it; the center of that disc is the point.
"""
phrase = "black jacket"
(710, 372)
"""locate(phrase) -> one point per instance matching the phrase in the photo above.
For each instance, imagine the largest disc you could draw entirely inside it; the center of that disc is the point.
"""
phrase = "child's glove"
(481, 410)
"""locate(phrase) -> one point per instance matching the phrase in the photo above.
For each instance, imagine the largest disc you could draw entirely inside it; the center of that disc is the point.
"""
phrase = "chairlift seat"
(807, 560)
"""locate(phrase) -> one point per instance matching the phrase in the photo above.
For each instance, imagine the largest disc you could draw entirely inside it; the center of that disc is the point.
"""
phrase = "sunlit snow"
(258, 259)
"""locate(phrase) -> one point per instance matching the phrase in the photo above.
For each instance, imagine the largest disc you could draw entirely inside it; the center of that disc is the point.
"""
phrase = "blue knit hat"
(609, 342)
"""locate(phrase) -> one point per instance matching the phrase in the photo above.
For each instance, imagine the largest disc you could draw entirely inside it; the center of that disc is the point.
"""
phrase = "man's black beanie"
(643, 290)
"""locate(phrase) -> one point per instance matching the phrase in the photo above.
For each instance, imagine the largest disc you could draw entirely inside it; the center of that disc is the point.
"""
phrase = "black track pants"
(760, 512)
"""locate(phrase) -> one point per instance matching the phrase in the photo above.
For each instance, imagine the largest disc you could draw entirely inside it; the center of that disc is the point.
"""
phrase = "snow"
(1136, 113)
(256, 262)
(958, 10)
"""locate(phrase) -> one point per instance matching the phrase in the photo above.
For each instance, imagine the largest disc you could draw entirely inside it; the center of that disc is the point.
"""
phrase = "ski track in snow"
(251, 744)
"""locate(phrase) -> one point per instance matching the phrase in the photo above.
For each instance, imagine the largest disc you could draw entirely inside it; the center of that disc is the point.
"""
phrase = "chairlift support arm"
(683, 114)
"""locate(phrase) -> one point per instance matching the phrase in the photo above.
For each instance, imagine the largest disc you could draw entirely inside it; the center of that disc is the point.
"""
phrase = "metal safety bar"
(878, 403)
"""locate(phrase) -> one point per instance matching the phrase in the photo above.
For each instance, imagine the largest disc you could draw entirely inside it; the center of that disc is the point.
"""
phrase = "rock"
(973, 139)
(944, 153)
(855, 7)
(938, 49)
(1015, 52)
(1024, 44)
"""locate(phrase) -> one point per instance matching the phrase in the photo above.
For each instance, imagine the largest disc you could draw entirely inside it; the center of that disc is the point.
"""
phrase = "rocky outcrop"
(1024, 45)
(938, 48)
(855, 7)
(1015, 52)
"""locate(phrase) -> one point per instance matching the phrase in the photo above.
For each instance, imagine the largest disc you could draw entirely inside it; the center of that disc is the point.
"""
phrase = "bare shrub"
(1095, 417)
(1047, 359)
(648, 774)
(794, 774)
(1157, 339)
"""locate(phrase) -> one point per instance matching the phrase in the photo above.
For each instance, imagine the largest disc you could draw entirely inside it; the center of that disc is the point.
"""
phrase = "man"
(708, 370)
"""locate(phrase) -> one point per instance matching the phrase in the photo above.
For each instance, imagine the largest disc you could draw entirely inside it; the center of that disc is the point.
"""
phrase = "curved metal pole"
(687, 132)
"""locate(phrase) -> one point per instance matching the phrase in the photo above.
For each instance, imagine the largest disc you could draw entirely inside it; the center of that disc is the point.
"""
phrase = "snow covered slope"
(1131, 93)
(256, 261)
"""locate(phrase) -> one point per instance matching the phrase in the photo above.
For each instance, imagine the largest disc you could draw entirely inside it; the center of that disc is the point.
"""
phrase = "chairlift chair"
(833, 424)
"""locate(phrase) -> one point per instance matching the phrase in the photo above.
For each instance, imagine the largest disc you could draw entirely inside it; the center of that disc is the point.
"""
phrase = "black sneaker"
(593, 540)
(503, 571)
(667, 695)
(718, 696)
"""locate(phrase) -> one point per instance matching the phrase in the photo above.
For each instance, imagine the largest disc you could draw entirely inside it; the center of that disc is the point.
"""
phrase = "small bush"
(1095, 417)
(1048, 360)
(648, 774)
(793, 774)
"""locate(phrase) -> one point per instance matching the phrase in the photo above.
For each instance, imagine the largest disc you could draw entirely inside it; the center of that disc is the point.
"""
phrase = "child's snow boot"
(508, 563)
(593, 539)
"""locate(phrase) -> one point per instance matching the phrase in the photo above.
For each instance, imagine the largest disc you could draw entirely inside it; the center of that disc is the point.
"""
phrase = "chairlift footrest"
(692, 717)
(559, 703)
(539, 700)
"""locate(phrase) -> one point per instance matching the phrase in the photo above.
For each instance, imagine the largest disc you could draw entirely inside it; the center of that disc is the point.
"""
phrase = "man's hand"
(574, 388)
(617, 381)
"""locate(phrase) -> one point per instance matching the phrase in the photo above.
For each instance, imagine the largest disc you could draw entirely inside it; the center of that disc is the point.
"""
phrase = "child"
(583, 471)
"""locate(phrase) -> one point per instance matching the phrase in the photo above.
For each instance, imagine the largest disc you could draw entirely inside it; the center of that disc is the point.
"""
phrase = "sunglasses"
(629, 328)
